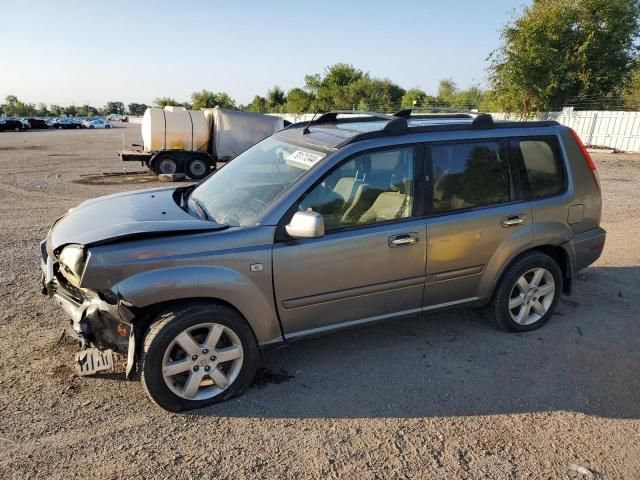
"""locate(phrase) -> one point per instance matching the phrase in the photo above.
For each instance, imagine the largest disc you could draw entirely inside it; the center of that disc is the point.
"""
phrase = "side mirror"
(306, 225)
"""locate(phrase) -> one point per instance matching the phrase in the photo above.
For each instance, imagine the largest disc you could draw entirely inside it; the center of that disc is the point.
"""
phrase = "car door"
(477, 219)
(370, 264)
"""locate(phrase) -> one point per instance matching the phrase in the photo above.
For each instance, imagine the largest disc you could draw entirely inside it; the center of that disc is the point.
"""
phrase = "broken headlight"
(71, 263)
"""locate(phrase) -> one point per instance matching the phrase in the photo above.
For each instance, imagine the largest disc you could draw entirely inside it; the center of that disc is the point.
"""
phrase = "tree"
(258, 104)
(87, 111)
(162, 102)
(42, 111)
(209, 99)
(56, 110)
(298, 101)
(344, 87)
(559, 50)
(15, 108)
(114, 107)
(137, 109)
(276, 99)
(416, 97)
(70, 111)
(447, 89)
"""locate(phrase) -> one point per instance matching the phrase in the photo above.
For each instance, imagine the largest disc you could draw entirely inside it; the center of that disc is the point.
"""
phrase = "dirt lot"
(447, 396)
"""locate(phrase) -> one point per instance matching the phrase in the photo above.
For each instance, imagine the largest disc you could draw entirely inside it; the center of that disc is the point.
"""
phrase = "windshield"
(239, 193)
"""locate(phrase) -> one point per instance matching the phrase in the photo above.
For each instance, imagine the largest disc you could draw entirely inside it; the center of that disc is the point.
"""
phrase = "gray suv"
(345, 220)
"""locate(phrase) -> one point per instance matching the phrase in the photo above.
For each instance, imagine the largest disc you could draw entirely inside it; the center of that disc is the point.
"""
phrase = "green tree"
(342, 86)
(114, 107)
(417, 97)
(276, 98)
(56, 110)
(87, 111)
(15, 108)
(162, 102)
(258, 104)
(209, 99)
(298, 101)
(70, 111)
(137, 109)
(447, 90)
(558, 50)
(42, 111)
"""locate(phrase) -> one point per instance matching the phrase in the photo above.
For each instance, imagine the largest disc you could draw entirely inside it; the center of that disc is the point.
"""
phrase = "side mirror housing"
(306, 224)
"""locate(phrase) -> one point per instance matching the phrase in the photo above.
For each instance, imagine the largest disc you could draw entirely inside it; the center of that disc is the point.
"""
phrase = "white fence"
(612, 129)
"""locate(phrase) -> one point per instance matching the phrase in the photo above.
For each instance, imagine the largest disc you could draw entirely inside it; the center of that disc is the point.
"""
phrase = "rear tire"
(191, 326)
(527, 294)
(197, 168)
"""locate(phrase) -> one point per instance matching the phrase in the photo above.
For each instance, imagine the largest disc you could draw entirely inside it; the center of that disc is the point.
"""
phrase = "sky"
(77, 52)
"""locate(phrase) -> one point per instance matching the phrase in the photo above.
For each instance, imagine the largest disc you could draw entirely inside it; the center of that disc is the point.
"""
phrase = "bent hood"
(125, 215)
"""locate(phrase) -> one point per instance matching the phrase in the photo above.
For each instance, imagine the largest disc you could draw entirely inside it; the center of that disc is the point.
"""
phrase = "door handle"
(513, 220)
(403, 240)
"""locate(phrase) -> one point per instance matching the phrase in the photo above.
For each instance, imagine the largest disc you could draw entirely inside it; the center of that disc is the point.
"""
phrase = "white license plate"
(93, 360)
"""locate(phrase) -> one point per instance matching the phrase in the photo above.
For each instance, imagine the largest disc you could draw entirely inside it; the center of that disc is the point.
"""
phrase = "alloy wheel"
(531, 296)
(202, 361)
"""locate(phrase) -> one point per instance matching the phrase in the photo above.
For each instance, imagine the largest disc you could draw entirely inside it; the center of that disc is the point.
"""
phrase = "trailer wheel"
(167, 165)
(197, 168)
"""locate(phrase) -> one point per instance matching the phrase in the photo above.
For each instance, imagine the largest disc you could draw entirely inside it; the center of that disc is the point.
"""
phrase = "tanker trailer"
(177, 140)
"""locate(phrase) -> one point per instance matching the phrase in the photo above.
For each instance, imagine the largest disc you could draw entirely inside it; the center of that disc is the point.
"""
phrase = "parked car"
(334, 223)
(37, 123)
(97, 123)
(114, 117)
(11, 124)
(66, 123)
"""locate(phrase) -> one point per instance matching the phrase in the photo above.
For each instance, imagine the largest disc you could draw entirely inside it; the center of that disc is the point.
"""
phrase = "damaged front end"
(100, 319)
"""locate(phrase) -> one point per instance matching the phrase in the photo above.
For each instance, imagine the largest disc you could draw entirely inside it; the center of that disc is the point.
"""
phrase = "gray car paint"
(122, 215)
(338, 280)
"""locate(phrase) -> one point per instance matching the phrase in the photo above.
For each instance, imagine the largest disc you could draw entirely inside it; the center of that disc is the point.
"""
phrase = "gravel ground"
(447, 396)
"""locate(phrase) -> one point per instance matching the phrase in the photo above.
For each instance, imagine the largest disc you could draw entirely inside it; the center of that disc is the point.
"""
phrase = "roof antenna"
(305, 130)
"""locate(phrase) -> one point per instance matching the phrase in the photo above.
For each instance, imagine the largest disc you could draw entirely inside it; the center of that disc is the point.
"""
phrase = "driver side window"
(369, 188)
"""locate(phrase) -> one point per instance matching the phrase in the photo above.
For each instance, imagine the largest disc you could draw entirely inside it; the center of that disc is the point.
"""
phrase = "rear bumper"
(588, 247)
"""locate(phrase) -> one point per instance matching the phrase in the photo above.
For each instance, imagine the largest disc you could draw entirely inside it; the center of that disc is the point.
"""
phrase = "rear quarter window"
(541, 166)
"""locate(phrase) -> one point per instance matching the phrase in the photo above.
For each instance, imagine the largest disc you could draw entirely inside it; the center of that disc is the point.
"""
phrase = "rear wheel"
(527, 294)
(197, 168)
(166, 165)
(198, 355)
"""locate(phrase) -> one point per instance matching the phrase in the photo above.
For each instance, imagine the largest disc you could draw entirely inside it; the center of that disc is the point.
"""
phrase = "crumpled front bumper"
(92, 320)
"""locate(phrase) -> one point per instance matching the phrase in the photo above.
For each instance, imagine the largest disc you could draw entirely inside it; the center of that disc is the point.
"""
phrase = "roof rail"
(480, 120)
(406, 112)
(394, 125)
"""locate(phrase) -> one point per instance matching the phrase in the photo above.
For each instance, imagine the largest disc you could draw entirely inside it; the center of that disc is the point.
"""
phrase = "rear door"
(371, 262)
(476, 221)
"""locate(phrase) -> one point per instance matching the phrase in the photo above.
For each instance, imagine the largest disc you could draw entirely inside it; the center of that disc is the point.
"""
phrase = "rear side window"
(543, 174)
(468, 175)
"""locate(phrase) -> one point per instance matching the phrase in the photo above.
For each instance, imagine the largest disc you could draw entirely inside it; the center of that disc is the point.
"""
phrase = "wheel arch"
(560, 253)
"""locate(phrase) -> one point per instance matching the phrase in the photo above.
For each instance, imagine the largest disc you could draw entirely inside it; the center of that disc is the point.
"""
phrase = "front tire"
(527, 294)
(197, 355)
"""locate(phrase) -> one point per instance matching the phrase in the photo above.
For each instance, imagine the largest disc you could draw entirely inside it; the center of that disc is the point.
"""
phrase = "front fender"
(253, 301)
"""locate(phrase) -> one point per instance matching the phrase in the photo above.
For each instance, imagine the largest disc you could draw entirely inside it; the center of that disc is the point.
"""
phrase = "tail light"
(587, 158)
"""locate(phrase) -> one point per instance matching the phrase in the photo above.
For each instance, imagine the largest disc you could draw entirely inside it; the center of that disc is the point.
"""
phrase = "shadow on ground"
(454, 363)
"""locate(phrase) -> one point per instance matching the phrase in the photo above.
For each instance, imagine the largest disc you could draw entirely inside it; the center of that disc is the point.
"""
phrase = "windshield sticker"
(303, 159)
